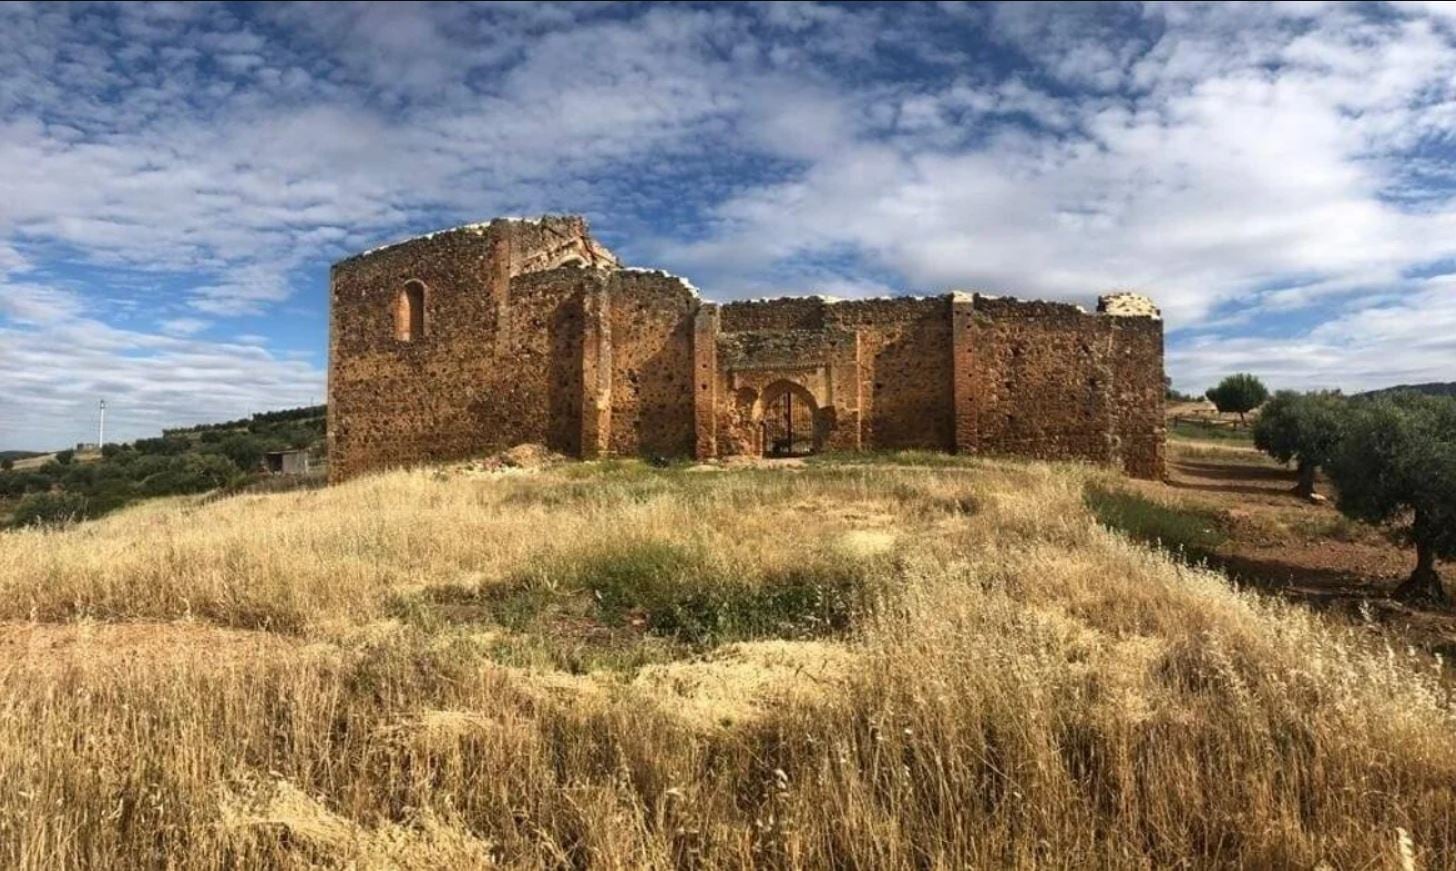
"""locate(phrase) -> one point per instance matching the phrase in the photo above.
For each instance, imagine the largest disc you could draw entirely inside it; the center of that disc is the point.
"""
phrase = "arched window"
(409, 312)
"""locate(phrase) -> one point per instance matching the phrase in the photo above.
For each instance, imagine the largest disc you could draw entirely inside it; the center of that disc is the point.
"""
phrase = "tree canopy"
(1302, 428)
(1396, 465)
(1238, 394)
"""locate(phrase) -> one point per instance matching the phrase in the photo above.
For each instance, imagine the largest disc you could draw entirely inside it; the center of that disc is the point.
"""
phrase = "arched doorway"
(790, 422)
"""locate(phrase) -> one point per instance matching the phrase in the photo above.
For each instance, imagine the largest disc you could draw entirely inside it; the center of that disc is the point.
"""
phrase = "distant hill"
(263, 420)
(69, 486)
(1433, 388)
(18, 455)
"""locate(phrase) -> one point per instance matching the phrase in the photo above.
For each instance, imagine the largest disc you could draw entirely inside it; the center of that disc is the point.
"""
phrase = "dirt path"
(1303, 550)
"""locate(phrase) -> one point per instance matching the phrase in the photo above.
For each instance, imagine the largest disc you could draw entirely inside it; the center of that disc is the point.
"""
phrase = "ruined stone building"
(479, 338)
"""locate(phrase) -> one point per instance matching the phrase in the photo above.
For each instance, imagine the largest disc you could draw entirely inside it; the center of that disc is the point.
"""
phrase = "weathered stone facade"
(486, 336)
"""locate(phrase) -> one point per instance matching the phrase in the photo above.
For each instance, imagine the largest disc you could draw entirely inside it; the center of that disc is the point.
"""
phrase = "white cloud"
(183, 326)
(1238, 162)
(56, 373)
(34, 304)
(11, 260)
(1408, 339)
(1225, 179)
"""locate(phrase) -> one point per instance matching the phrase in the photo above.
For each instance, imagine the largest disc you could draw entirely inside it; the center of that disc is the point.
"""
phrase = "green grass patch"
(1335, 527)
(1192, 429)
(1191, 533)
(891, 458)
(596, 604)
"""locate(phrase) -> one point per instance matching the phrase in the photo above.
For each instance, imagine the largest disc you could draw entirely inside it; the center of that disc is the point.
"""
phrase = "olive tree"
(1302, 428)
(1396, 465)
(1238, 394)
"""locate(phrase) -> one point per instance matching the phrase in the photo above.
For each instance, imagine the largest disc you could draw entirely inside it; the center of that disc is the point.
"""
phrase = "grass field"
(1207, 431)
(890, 664)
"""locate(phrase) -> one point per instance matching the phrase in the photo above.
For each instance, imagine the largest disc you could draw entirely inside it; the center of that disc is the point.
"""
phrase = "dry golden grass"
(848, 666)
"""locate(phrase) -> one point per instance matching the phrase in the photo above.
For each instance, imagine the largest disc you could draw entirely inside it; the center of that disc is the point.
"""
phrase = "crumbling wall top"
(663, 273)
(570, 230)
(1126, 304)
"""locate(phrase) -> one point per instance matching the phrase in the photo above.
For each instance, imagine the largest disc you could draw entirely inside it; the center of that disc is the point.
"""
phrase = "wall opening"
(409, 312)
(790, 422)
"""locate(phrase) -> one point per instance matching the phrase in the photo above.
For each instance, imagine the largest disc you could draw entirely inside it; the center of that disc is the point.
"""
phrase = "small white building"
(294, 462)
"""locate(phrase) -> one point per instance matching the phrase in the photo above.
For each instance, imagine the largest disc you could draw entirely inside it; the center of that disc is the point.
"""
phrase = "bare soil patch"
(1306, 551)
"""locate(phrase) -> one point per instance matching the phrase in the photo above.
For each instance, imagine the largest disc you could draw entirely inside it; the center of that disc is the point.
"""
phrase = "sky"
(175, 179)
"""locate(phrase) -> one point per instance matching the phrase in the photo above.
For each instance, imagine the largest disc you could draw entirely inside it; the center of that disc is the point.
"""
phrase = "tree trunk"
(1424, 584)
(1305, 487)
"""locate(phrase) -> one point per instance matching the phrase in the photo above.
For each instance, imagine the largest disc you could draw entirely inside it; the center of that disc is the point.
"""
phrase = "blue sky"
(177, 178)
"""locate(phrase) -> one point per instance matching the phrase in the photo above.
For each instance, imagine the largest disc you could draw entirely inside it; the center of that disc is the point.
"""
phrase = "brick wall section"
(706, 382)
(963, 366)
(532, 333)
(906, 380)
(596, 371)
(499, 363)
(377, 414)
(1042, 380)
(652, 364)
(784, 313)
(1138, 394)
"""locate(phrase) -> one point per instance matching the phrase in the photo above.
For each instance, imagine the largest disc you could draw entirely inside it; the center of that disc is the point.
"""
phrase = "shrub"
(1238, 394)
(245, 451)
(109, 494)
(50, 508)
(111, 451)
(79, 476)
(165, 446)
(1303, 428)
(65, 457)
(1396, 465)
(7, 464)
(36, 482)
(208, 472)
(192, 473)
(147, 465)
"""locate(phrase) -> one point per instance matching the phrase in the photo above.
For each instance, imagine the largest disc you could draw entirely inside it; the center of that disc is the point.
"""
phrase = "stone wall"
(973, 373)
(1137, 395)
(530, 331)
(499, 362)
(1040, 376)
(905, 374)
(652, 364)
(819, 368)
(784, 313)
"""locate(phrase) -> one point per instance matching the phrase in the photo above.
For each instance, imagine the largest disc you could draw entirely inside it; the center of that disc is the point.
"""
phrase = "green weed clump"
(1188, 532)
(682, 592)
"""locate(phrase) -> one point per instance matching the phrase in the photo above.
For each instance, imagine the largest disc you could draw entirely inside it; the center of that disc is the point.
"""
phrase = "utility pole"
(101, 428)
